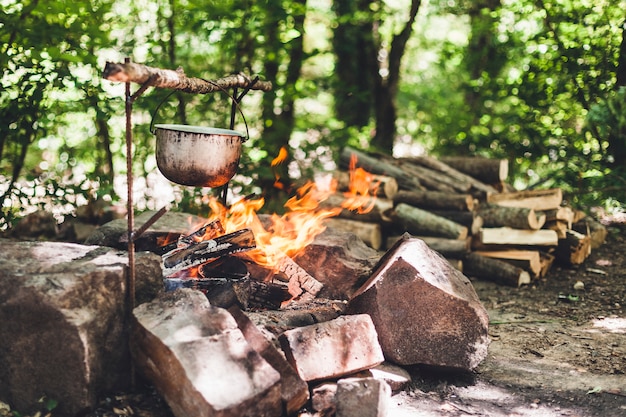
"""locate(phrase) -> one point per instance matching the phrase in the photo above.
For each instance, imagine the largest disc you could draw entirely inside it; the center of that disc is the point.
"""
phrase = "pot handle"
(235, 101)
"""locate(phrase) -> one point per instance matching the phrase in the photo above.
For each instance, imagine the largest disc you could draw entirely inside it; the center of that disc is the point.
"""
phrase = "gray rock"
(425, 311)
(63, 314)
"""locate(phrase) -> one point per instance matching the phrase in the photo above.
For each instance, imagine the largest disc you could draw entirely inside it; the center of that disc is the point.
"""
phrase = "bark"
(487, 170)
(176, 80)
(528, 260)
(469, 219)
(538, 200)
(435, 200)
(574, 249)
(419, 222)
(495, 270)
(515, 217)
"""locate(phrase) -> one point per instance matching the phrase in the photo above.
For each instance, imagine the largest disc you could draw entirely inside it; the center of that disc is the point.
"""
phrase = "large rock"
(334, 348)
(199, 360)
(362, 397)
(340, 261)
(425, 311)
(62, 316)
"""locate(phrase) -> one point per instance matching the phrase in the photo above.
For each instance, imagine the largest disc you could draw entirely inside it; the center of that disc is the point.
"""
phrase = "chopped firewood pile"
(463, 208)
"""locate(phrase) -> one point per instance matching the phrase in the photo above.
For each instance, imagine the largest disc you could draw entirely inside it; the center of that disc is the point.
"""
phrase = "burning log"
(376, 166)
(207, 231)
(436, 200)
(201, 252)
(515, 217)
(419, 222)
(382, 185)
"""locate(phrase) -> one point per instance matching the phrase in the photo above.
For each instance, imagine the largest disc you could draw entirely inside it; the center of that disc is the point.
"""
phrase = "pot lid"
(200, 129)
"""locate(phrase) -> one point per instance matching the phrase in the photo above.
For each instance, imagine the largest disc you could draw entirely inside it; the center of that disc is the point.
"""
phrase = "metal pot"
(197, 156)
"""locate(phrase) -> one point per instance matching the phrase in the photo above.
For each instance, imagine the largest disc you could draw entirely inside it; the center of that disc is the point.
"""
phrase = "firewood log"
(469, 219)
(574, 249)
(508, 236)
(563, 214)
(514, 217)
(431, 179)
(370, 233)
(528, 260)
(593, 228)
(487, 170)
(435, 200)
(495, 270)
(377, 214)
(538, 200)
(454, 174)
(423, 223)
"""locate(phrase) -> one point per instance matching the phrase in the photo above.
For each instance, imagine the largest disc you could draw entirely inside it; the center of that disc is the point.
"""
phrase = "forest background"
(541, 83)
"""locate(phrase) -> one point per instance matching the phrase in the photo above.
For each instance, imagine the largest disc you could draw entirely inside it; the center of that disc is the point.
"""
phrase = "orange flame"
(280, 158)
(287, 235)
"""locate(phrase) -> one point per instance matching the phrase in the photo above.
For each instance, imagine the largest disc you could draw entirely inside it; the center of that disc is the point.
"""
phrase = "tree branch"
(176, 80)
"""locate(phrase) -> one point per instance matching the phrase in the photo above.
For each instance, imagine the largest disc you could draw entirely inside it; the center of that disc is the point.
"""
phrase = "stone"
(63, 311)
(199, 360)
(362, 397)
(395, 376)
(425, 311)
(334, 348)
(340, 261)
(294, 391)
(323, 397)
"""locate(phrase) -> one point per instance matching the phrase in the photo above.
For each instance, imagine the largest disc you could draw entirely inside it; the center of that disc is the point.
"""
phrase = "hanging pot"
(197, 156)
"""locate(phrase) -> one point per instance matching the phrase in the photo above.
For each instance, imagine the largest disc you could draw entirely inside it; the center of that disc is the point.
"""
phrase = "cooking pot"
(197, 156)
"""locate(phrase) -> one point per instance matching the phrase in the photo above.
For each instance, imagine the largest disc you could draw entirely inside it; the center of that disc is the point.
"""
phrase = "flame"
(361, 194)
(288, 234)
(280, 158)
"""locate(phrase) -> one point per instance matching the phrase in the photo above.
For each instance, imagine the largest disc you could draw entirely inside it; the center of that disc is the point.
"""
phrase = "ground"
(558, 349)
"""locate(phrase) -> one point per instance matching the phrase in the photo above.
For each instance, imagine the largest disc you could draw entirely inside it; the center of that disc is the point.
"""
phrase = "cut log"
(487, 170)
(381, 186)
(560, 227)
(431, 179)
(177, 80)
(469, 219)
(453, 173)
(528, 260)
(435, 200)
(563, 214)
(207, 250)
(538, 200)
(419, 222)
(546, 263)
(370, 233)
(574, 249)
(495, 270)
(514, 217)
(207, 231)
(509, 236)
(593, 228)
(376, 166)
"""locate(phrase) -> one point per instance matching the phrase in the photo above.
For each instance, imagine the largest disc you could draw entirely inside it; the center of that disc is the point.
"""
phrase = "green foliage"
(534, 82)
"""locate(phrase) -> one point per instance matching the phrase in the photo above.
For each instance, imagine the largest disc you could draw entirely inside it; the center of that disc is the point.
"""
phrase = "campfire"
(235, 249)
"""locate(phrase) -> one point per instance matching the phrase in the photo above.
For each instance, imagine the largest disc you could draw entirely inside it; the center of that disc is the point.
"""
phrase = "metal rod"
(131, 219)
(155, 217)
